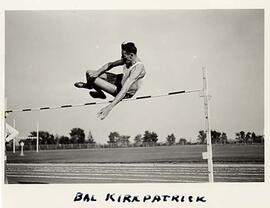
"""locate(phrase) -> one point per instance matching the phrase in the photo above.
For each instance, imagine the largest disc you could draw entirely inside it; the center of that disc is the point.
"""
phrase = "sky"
(46, 52)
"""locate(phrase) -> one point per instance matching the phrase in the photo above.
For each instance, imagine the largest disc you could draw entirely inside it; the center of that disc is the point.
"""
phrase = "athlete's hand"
(104, 112)
(94, 75)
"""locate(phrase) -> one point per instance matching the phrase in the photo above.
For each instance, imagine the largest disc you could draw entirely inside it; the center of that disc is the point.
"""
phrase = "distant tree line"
(221, 137)
(142, 140)
(76, 136)
(148, 138)
(251, 138)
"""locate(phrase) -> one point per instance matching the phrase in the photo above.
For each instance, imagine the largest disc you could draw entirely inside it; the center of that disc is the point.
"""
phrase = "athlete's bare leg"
(99, 85)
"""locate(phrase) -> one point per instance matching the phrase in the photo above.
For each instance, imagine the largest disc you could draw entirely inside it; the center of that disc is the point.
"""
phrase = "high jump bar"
(100, 103)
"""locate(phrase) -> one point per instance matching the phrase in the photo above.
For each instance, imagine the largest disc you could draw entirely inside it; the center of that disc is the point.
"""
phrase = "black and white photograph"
(109, 97)
(124, 96)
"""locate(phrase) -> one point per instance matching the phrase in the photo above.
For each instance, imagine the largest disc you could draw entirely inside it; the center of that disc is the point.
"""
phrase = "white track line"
(142, 171)
(102, 178)
(135, 172)
(135, 164)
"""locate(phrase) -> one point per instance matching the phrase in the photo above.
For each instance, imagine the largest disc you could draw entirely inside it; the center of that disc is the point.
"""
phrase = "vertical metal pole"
(208, 126)
(14, 140)
(5, 156)
(37, 134)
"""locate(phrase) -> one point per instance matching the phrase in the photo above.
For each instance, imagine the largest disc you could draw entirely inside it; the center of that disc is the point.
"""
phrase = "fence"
(32, 147)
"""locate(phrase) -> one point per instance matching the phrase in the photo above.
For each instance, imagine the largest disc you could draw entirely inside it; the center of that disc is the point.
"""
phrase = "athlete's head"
(129, 47)
(129, 50)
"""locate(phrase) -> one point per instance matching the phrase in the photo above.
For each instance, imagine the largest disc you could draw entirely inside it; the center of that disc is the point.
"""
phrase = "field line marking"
(101, 178)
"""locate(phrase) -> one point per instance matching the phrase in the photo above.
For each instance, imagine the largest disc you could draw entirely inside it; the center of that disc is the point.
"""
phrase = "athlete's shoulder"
(139, 63)
(116, 63)
(138, 69)
(141, 66)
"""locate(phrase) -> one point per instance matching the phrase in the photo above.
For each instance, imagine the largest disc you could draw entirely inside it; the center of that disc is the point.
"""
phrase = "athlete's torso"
(126, 73)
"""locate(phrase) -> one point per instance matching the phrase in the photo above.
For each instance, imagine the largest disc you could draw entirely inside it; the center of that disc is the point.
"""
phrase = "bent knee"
(89, 72)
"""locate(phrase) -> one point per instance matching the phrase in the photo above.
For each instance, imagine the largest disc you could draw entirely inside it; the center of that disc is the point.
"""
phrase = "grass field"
(174, 154)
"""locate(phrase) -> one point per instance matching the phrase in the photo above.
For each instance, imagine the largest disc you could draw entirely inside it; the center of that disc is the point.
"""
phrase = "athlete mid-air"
(121, 86)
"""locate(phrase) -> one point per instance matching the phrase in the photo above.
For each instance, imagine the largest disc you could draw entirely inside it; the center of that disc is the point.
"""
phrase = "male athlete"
(121, 86)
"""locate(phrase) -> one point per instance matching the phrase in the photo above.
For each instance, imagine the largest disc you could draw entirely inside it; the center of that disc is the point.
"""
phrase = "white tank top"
(126, 71)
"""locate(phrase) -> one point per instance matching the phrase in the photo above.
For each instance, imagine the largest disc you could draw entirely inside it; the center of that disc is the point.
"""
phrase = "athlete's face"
(127, 57)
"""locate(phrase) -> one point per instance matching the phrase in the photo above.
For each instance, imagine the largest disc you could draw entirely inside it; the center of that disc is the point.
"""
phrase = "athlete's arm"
(107, 67)
(134, 76)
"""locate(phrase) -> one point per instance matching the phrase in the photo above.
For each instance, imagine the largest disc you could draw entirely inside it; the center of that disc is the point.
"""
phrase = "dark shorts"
(116, 80)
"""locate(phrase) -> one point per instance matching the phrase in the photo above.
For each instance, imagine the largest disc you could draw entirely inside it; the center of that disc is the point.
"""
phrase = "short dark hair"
(129, 47)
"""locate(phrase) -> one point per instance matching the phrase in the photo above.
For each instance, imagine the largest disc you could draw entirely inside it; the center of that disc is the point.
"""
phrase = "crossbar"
(99, 103)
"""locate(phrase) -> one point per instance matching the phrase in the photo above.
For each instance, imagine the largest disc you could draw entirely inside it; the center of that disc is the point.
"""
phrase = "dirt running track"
(131, 173)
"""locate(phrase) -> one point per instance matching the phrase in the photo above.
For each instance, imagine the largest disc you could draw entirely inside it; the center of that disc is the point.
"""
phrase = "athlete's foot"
(83, 85)
(80, 84)
(95, 94)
